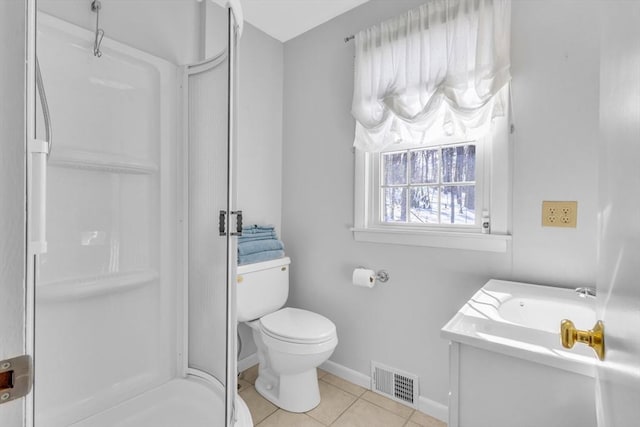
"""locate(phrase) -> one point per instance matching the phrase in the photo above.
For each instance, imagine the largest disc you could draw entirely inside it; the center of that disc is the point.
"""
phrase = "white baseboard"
(425, 405)
(347, 374)
(433, 408)
(247, 362)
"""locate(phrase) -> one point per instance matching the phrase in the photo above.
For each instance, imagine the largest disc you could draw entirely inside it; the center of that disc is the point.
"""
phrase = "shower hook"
(95, 7)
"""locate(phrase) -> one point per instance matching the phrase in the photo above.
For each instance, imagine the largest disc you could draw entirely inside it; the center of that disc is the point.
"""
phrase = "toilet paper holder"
(381, 275)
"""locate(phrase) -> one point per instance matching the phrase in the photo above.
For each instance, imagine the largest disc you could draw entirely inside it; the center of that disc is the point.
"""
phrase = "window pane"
(424, 205)
(395, 168)
(459, 163)
(424, 166)
(458, 204)
(395, 205)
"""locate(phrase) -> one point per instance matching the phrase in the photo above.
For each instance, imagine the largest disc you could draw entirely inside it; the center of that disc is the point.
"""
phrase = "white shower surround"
(111, 226)
(112, 233)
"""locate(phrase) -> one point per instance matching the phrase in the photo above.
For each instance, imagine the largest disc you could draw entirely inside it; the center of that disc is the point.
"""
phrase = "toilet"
(291, 342)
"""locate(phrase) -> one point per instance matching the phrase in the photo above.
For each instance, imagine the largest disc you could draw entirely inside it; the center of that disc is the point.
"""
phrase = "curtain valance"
(432, 72)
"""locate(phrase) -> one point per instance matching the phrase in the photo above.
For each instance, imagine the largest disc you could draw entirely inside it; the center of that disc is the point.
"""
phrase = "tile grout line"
(346, 391)
(345, 409)
(340, 414)
(388, 410)
(409, 417)
(391, 412)
(276, 410)
(270, 413)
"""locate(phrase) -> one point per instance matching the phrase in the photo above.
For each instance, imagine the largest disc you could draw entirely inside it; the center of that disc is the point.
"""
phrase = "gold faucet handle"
(594, 338)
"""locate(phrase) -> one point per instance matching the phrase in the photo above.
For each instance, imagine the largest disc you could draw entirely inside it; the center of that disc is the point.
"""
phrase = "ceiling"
(286, 19)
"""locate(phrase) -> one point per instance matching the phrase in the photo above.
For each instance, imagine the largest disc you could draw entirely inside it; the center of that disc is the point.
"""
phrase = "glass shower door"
(210, 247)
(207, 195)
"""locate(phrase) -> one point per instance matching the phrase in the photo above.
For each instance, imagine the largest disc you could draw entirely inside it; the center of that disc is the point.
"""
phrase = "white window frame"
(493, 194)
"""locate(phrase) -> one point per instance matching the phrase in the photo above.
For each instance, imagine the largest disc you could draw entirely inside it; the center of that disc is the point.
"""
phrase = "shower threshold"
(179, 402)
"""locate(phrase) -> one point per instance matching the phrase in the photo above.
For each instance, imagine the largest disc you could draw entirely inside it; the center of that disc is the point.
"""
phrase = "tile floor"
(342, 404)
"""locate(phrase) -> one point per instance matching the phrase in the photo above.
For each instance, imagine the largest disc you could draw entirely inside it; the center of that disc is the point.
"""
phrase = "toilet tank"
(262, 288)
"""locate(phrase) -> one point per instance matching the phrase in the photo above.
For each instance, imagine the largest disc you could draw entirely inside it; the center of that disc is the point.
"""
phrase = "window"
(430, 104)
(436, 195)
(429, 186)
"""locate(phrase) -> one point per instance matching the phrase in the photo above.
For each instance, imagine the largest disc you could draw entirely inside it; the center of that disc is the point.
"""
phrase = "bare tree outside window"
(435, 185)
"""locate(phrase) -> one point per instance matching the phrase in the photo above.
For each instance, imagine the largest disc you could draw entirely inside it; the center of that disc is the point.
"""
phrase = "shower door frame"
(31, 211)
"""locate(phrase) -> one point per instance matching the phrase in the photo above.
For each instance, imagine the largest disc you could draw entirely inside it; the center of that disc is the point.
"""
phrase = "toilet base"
(293, 393)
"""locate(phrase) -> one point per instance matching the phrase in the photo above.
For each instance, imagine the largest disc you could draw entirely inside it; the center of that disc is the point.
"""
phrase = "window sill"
(435, 239)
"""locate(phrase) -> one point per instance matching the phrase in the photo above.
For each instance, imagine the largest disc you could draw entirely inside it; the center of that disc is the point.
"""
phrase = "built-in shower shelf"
(99, 161)
(86, 287)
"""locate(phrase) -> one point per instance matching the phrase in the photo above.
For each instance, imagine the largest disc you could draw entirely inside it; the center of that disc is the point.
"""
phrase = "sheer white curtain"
(433, 72)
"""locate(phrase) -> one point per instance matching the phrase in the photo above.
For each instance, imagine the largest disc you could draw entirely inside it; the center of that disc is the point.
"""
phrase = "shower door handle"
(238, 215)
(222, 223)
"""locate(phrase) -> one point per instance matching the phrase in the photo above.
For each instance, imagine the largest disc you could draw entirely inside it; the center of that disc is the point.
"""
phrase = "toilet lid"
(296, 325)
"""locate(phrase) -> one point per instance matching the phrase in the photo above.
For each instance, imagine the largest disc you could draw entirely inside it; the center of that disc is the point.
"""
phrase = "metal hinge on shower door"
(15, 378)
(222, 223)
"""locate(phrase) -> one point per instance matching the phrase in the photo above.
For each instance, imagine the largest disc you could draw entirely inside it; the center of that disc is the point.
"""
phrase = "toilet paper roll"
(364, 277)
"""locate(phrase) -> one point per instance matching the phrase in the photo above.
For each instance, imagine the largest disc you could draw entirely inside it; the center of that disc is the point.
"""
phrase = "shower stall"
(131, 226)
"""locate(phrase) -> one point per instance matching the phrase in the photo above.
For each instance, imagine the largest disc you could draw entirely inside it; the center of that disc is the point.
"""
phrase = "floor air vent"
(395, 384)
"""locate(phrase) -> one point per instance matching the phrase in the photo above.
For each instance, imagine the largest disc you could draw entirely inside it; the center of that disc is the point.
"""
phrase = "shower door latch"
(222, 223)
(15, 378)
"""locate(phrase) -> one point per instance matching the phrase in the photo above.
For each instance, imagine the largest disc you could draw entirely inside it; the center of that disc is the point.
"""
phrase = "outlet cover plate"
(559, 214)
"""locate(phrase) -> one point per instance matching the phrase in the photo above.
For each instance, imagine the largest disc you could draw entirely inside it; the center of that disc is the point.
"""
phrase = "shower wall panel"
(105, 314)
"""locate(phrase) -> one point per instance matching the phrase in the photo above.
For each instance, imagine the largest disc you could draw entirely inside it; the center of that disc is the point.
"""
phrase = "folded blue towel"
(254, 246)
(260, 256)
(252, 229)
(258, 236)
(256, 239)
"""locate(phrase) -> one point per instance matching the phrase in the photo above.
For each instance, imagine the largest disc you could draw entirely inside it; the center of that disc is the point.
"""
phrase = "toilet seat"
(297, 326)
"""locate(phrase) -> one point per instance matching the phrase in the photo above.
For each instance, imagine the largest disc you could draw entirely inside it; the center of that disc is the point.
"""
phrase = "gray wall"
(260, 90)
(12, 184)
(260, 82)
(555, 85)
(555, 55)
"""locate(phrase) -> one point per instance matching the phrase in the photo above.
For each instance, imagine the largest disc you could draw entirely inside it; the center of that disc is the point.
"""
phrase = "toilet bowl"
(291, 342)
